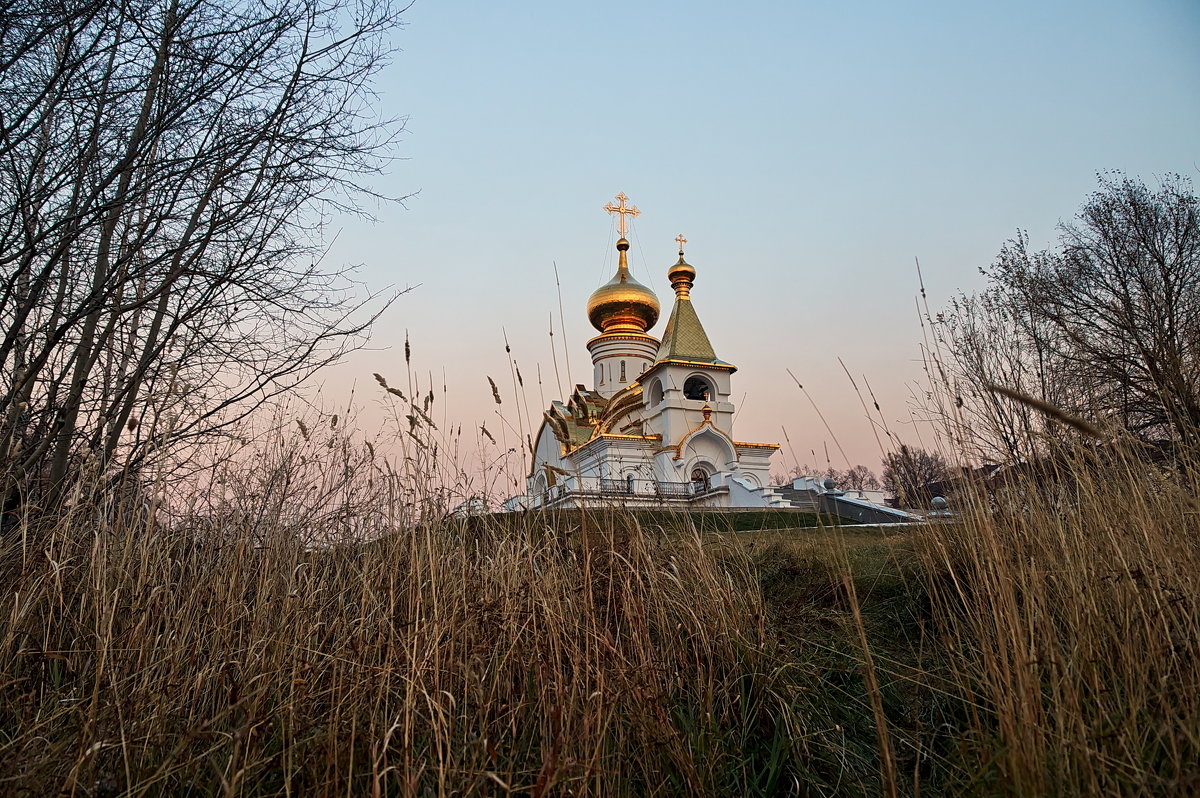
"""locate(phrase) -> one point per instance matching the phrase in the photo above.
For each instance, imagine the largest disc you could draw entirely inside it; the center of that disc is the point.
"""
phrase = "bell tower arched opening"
(697, 387)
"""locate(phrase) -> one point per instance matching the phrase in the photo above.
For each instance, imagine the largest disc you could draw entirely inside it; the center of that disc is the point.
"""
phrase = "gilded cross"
(681, 241)
(623, 210)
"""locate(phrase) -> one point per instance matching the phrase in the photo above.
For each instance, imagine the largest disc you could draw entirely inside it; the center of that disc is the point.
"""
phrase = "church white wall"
(546, 451)
(755, 465)
(620, 359)
(670, 413)
(615, 458)
(744, 494)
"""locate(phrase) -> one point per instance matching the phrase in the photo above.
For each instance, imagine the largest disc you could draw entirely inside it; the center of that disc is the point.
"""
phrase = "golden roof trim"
(708, 364)
(619, 405)
(655, 437)
(619, 354)
(623, 336)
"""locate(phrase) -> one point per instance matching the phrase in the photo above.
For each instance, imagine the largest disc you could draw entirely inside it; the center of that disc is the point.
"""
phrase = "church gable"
(709, 440)
(707, 447)
(619, 408)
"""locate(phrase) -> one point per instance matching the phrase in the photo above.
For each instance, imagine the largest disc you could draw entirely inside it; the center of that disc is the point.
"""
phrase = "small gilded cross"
(681, 241)
(623, 210)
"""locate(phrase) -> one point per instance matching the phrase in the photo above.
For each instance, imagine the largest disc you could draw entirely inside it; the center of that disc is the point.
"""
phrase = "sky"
(810, 153)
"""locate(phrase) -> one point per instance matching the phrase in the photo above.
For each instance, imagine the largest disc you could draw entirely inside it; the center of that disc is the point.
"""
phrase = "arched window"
(622, 371)
(629, 483)
(700, 483)
(697, 388)
(656, 393)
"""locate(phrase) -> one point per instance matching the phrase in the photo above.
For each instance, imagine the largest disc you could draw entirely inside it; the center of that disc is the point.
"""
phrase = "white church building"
(656, 426)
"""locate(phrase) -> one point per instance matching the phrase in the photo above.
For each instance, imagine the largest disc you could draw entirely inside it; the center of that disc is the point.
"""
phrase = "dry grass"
(447, 659)
(1045, 644)
(1069, 607)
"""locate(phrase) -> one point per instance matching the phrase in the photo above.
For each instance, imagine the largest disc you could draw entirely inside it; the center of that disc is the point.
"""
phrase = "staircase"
(835, 503)
(796, 499)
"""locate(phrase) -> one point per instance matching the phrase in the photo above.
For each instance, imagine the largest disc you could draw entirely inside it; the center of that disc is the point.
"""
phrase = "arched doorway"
(700, 480)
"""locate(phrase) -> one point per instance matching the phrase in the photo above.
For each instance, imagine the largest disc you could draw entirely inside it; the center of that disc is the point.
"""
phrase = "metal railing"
(678, 490)
(648, 488)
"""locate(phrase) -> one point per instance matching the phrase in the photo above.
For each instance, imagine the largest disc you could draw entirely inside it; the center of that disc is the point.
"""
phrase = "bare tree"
(792, 473)
(166, 167)
(991, 342)
(1105, 326)
(909, 473)
(858, 477)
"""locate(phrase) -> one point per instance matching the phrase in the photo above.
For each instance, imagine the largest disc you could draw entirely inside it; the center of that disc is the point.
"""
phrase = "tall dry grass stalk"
(1069, 602)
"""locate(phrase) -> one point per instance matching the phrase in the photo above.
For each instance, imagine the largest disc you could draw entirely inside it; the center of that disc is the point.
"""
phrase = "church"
(656, 426)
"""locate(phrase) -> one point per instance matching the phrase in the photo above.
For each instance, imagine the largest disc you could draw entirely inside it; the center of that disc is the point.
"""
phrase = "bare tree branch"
(166, 167)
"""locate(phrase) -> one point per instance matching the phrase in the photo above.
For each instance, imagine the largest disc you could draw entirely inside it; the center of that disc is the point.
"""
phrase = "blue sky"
(809, 152)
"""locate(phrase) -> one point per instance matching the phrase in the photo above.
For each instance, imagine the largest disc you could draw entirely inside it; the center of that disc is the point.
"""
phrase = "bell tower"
(688, 386)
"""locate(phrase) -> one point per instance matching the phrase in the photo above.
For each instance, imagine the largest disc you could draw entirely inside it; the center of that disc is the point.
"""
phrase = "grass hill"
(1037, 646)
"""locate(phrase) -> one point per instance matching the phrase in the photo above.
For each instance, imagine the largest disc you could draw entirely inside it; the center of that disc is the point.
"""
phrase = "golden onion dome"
(682, 276)
(623, 304)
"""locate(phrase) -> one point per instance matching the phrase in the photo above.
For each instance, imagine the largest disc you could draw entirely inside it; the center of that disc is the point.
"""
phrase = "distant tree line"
(910, 474)
(857, 477)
